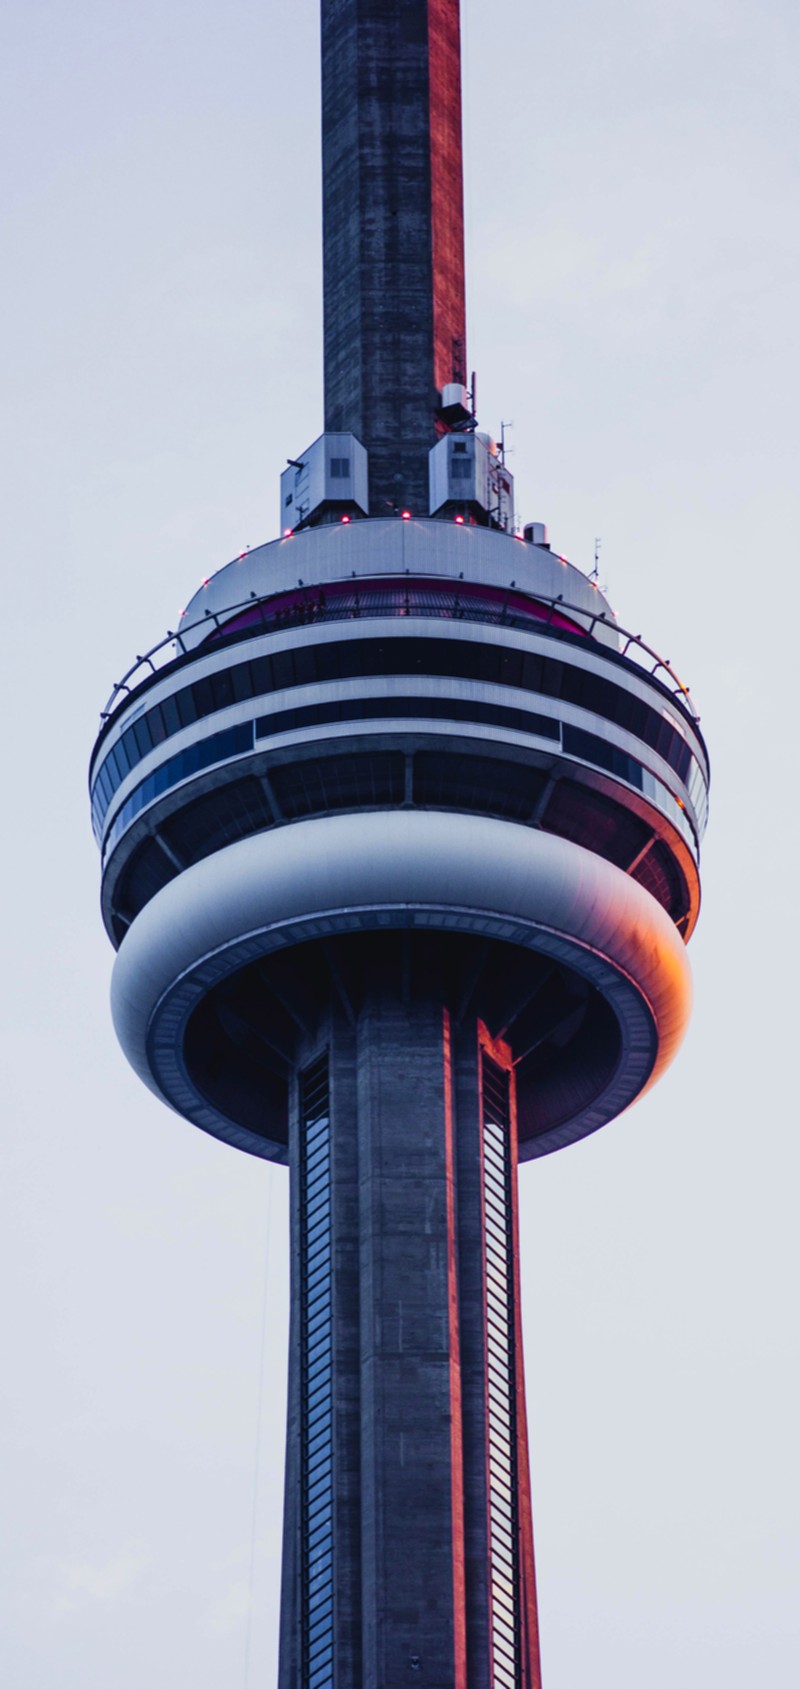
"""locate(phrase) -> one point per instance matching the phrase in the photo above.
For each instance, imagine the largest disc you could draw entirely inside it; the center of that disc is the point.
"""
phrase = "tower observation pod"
(400, 855)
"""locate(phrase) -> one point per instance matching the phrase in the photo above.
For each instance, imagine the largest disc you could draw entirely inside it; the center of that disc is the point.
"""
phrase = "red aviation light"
(406, 515)
(287, 533)
(460, 521)
(345, 518)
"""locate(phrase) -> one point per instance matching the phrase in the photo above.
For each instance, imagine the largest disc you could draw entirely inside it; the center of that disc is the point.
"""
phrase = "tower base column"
(409, 1519)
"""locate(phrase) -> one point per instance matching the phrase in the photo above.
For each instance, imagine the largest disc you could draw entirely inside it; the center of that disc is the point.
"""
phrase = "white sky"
(633, 245)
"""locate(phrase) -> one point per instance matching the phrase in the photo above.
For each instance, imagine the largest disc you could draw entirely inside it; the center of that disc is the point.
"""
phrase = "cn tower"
(400, 837)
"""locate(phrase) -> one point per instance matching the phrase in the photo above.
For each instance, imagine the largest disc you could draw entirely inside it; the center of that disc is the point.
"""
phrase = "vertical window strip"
(316, 1343)
(501, 1394)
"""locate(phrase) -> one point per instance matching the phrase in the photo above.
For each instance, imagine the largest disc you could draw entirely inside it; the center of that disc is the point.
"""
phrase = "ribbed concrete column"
(470, 1043)
(411, 1493)
(412, 1546)
(334, 1038)
(393, 232)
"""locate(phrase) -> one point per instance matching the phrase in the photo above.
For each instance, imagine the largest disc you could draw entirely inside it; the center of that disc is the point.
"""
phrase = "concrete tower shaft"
(393, 233)
(421, 1189)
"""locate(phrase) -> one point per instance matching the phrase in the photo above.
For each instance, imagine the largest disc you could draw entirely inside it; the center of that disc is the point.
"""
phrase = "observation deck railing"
(173, 647)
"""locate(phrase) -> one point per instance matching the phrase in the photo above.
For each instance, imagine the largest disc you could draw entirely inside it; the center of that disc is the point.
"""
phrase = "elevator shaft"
(408, 1547)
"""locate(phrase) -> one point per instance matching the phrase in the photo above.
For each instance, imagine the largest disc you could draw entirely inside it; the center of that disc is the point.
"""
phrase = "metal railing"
(173, 647)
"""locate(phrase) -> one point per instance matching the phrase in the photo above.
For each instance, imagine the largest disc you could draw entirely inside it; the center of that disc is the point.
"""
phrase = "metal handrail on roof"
(160, 655)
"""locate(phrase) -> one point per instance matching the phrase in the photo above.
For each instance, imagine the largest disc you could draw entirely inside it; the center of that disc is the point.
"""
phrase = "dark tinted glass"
(553, 677)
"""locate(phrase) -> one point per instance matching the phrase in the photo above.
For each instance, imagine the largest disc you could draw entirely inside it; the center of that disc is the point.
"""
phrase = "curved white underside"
(399, 868)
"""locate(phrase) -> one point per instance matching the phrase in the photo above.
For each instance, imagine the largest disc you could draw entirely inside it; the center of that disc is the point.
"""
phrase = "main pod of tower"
(400, 725)
(400, 839)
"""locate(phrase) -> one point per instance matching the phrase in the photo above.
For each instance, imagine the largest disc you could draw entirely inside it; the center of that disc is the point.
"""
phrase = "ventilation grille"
(482, 784)
(316, 1383)
(346, 782)
(147, 871)
(596, 822)
(660, 875)
(219, 818)
(501, 1377)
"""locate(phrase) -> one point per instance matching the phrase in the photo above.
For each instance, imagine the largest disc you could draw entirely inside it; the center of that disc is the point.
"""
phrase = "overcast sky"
(633, 284)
